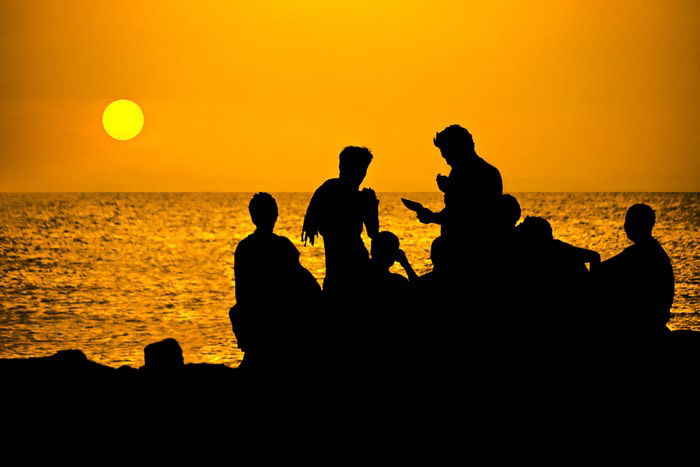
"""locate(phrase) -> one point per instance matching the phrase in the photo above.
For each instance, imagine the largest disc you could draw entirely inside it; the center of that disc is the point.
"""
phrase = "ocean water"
(109, 273)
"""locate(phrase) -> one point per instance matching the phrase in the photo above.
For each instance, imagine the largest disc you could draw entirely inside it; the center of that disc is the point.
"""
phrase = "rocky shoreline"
(161, 358)
(164, 359)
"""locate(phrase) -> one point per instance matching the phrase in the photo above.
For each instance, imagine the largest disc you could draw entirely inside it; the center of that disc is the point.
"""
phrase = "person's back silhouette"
(276, 297)
(338, 210)
(553, 281)
(637, 285)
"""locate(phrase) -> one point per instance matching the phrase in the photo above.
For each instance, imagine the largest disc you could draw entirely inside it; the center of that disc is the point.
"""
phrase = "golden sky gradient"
(589, 95)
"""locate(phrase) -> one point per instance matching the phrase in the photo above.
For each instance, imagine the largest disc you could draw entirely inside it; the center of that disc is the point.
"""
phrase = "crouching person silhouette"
(276, 297)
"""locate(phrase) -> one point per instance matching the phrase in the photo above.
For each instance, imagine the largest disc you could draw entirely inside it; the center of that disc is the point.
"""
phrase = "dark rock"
(65, 361)
(163, 355)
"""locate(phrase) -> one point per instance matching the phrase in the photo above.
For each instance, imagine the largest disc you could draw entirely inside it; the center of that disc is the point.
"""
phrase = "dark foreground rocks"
(163, 361)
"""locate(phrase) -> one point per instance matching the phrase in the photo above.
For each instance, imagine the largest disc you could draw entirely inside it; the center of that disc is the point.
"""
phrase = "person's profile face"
(361, 174)
(637, 230)
(448, 155)
(631, 229)
(355, 175)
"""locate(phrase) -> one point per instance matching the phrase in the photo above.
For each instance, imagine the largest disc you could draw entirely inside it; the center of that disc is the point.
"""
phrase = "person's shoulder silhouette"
(337, 207)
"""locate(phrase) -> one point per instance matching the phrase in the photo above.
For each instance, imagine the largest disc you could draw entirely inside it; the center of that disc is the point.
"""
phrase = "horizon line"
(311, 191)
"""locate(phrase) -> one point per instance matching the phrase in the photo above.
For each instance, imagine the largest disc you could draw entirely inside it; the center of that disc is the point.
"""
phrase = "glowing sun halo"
(122, 119)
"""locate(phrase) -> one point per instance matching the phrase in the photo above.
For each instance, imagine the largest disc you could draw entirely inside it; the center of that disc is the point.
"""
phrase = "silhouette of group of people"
(495, 285)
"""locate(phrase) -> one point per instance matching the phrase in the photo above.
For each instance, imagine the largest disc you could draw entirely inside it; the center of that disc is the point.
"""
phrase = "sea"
(109, 273)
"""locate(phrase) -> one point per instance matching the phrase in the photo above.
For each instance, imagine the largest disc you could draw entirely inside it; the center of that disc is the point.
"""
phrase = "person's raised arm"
(403, 261)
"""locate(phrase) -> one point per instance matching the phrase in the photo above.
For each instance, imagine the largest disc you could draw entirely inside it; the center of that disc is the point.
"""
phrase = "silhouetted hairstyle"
(354, 156)
(384, 247)
(454, 137)
(263, 209)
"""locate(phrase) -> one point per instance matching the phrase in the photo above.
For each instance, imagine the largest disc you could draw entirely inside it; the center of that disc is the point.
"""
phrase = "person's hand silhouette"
(370, 197)
(403, 261)
(425, 215)
(310, 236)
(442, 182)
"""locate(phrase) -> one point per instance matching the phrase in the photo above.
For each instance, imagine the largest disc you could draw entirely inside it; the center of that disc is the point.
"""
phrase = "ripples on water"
(109, 273)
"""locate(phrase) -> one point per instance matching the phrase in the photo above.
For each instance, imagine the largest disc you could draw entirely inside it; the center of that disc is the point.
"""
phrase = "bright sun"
(122, 119)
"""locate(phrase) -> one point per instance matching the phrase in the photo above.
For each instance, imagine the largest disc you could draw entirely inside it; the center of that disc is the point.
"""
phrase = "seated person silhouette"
(637, 285)
(338, 210)
(386, 328)
(276, 297)
(385, 252)
(553, 280)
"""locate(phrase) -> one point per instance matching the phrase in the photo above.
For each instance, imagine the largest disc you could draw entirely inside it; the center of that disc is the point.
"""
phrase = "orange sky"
(590, 95)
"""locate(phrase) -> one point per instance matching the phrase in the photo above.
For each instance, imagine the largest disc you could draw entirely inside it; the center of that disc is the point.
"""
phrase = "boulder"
(163, 355)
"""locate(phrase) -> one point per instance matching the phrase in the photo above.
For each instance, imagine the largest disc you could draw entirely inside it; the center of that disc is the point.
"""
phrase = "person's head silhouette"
(354, 161)
(639, 221)
(263, 212)
(510, 210)
(536, 231)
(455, 143)
(385, 249)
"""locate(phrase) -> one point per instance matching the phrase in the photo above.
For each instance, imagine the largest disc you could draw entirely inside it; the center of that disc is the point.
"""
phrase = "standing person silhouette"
(470, 225)
(472, 190)
(338, 210)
